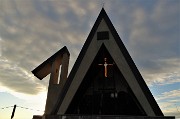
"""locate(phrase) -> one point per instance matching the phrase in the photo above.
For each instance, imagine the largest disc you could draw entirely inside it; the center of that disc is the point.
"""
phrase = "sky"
(33, 30)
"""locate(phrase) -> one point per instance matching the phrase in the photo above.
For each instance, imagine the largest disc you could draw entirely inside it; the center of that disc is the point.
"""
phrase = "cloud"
(150, 32)
(17, 79)
(32, 31)
(169, 102)
(170, 95)
(0, 46)
(162, 71)
(154, 41)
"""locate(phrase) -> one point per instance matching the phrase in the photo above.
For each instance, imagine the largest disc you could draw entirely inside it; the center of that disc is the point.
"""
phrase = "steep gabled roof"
(121, 57)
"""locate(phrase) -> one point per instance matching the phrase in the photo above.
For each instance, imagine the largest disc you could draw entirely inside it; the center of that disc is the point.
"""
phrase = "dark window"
(103, 35)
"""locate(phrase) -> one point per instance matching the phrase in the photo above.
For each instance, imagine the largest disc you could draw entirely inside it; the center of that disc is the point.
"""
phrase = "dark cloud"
(150, 32)
(31, 31)
(18, 79)
(43, 27)
(151, 35)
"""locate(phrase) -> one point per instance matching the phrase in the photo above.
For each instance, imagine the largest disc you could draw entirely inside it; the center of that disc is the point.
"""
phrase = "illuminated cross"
(105, 66)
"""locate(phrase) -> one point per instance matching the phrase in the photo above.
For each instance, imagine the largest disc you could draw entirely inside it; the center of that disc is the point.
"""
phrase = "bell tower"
(58, 61)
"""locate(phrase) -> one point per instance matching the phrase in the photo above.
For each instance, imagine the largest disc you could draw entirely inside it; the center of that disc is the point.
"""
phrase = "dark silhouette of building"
(104, 82)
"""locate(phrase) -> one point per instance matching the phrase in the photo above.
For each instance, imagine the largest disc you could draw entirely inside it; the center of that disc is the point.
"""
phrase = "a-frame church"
(104, 82)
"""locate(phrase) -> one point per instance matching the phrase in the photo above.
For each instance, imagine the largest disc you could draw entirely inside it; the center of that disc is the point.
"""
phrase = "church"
(104, 82)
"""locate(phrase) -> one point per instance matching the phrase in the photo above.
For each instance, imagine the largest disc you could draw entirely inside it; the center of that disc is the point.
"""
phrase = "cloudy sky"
(33, 30)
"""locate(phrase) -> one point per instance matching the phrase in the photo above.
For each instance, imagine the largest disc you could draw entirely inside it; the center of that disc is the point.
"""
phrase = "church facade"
(104, 82)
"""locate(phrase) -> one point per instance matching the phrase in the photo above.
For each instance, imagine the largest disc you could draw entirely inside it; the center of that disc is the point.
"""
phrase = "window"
(103, 35)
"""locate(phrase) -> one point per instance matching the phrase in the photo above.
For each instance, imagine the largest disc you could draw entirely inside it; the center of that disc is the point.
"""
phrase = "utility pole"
(14, 109)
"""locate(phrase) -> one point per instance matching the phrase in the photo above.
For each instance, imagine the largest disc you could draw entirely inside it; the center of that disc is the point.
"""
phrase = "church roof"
(66, 96)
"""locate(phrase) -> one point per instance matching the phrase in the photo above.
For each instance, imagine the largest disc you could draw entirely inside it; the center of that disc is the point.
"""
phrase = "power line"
(29, 108)
(22, 108)
(7, 107)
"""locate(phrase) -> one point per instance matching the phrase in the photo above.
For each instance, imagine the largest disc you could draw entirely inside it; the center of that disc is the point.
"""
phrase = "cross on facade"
(105, 67)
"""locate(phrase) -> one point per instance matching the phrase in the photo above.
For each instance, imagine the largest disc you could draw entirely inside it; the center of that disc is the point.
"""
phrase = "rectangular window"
(103, 35)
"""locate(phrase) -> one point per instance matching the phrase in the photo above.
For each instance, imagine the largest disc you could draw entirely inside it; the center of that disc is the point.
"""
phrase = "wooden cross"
(105, 66)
